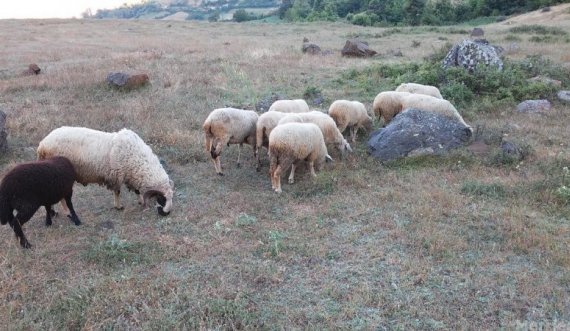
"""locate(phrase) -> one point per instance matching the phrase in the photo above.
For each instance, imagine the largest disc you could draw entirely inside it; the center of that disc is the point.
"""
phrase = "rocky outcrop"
(470, 54)
(416, 132)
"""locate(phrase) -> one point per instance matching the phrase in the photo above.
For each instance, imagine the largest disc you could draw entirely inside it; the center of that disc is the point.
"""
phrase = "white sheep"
(265, 124)
(325, 123)
(294, 142)
(419, 89)
(350, 114)
(225, 126)
(112, 159)
(433, 104)
(290, 106)
(390, 103)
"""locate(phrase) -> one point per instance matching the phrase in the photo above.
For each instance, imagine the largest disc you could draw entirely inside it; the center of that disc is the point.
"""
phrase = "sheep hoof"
(25, 244)
(119, 208)
(291, 181)
(48, 223)
(220, 173)
(239, 165)
(75, 221)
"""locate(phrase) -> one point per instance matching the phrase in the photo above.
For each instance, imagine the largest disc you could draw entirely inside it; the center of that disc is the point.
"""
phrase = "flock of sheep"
(289, 131)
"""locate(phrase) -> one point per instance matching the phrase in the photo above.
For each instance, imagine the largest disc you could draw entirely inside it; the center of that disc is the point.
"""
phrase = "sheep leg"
(239, 154)
(24, 215)
(215, 152)
(49, 214)
(292, 174)
(312, 168)
(353, 131)
(73, 216)
(64, 207)
(277, 179)
(117, 194)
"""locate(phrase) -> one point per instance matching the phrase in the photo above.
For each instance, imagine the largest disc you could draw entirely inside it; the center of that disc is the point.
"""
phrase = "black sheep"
(31, 185)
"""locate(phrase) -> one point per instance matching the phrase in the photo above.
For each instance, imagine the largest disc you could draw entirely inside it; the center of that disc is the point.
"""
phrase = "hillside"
(474, 240)
(180, 10)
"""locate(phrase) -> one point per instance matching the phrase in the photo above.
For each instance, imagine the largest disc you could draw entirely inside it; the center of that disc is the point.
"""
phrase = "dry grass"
(363, 246)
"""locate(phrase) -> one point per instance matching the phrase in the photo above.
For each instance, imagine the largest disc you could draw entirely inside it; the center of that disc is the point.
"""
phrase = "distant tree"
(214, 16)
(285, 5)
(414, 10)
(241, 15)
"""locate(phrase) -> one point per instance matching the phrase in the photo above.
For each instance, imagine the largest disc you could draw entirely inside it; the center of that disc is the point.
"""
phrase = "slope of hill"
(191, 9)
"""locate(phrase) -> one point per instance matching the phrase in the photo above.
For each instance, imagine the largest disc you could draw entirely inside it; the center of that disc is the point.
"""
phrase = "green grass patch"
(115, 252)
(492, 191)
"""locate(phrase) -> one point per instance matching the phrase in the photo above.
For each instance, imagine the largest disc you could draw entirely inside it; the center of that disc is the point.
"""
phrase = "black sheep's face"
(161, 200)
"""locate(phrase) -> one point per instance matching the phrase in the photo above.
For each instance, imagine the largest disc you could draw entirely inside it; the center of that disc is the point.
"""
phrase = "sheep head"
(163, 197)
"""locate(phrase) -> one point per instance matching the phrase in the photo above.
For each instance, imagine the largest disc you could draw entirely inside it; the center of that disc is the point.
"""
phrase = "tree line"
(405, 12)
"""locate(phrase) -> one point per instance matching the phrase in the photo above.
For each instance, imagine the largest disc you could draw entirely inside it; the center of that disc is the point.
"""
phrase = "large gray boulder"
(416, 132)
(357, 48)
(470, 54)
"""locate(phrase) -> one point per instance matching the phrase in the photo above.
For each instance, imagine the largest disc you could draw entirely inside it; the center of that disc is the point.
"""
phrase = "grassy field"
(461, 242)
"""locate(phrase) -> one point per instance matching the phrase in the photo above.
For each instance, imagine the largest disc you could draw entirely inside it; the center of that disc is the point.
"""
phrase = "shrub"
(538, 29)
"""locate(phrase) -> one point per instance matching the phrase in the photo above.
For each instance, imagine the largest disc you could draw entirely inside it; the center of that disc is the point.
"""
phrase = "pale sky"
(55, 8)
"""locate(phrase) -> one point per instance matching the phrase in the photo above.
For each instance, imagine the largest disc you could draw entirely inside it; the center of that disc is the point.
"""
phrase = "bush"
(486, 89)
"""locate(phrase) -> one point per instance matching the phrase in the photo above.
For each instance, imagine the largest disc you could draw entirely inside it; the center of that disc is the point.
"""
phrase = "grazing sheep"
(419, 89)
(28, 186)
(290, 106)
(112, 159)
(325, 123)
(265, 124)
(293, 142)
(351, 114)
(225, 126)
(389, 104)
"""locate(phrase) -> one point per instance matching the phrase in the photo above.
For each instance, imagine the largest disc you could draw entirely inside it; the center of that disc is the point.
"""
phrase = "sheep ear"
(328, 158)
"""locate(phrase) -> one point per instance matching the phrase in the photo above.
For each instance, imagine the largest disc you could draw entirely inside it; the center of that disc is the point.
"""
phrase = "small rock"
(546, 80)
(357, 48)
(477, 32)
(564, 96)
(263, 104)
(117, 79)
(311, 48)
(33, 69)
(534, 106)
